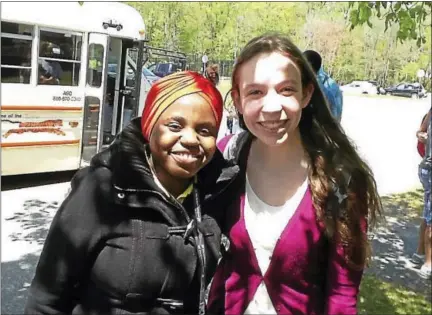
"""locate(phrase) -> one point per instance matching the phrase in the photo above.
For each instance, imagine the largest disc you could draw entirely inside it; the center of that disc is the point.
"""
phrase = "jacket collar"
(126, 158)
(237, 150)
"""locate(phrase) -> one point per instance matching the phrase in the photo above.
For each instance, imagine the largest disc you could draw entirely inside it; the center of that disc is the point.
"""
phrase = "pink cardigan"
(307, 273)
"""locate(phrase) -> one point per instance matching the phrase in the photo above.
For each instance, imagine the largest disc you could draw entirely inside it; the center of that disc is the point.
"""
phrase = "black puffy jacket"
(117, 244)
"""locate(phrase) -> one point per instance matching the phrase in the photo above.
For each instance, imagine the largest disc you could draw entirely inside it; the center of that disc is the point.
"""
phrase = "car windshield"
(163, 67)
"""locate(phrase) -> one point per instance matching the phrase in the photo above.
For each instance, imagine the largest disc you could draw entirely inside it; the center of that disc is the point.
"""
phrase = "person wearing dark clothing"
(423, 256)
(140, 231)
(50, 71)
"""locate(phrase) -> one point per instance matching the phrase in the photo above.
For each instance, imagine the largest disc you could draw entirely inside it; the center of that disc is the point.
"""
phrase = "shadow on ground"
(410, 204)
(378, 297)
(34, 219)
(393, 243)
(16, 278)
(396, 240)
(32, 223)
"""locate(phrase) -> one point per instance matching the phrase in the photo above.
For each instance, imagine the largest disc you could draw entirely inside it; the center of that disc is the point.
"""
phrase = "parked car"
(360, 87)
(150, 76)
(164, 69)
(413, 90)
(379, 88)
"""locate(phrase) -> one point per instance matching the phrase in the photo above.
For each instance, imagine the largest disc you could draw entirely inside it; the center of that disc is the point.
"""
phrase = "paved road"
(382, 128)
(26, 215)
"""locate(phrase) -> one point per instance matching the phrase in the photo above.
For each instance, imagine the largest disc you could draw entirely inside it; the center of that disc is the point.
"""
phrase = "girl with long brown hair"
(298, 229)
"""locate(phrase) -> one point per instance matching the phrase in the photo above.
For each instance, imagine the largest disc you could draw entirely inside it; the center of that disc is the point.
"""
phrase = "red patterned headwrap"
(170, 88)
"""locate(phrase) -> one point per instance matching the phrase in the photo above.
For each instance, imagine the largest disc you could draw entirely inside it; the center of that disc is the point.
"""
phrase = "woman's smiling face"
(183, 139)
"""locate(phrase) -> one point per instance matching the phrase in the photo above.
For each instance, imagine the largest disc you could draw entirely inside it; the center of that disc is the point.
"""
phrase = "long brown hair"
(335, 167)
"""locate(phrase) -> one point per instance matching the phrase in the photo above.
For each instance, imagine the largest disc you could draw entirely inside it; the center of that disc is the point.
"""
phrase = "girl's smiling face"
(271, 96)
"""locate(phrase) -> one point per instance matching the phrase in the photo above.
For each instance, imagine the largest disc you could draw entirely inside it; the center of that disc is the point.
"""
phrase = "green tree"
(411, 17)
(371, 48)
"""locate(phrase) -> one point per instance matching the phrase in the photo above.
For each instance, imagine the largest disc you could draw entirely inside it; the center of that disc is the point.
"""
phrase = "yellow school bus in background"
(66, 86)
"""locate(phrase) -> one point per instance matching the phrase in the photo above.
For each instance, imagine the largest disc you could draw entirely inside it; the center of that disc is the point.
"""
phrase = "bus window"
(95, 63)
(59, 58)
(16, 49)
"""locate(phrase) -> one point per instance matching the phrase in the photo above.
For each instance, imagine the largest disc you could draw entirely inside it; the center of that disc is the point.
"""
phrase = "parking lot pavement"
(383, 129)
(26, 216)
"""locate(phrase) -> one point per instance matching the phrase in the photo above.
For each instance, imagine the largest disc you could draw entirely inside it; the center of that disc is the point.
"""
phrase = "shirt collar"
(182, 196)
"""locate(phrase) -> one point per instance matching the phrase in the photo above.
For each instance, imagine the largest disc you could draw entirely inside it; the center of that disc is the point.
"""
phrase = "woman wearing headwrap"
(139, 232)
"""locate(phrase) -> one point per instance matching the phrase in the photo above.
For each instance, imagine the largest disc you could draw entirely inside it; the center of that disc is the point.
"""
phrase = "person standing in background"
(331, 89)
(212, 73)
(423, 256)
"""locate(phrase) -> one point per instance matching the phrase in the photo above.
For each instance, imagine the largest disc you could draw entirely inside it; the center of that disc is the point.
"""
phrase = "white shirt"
(265, 225)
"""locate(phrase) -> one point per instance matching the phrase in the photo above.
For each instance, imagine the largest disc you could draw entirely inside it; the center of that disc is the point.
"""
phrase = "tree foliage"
(382, 41)
(410, 17)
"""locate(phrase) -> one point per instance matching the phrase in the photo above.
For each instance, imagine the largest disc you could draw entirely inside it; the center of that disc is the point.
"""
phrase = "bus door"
(120, 104)
(128, 86)
(112, 94)
(94, 96)
(110, 101)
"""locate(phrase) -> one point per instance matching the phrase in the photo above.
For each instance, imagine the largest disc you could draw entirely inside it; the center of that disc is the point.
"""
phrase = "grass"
(410, 201)
(382, 298)
(224, 86)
